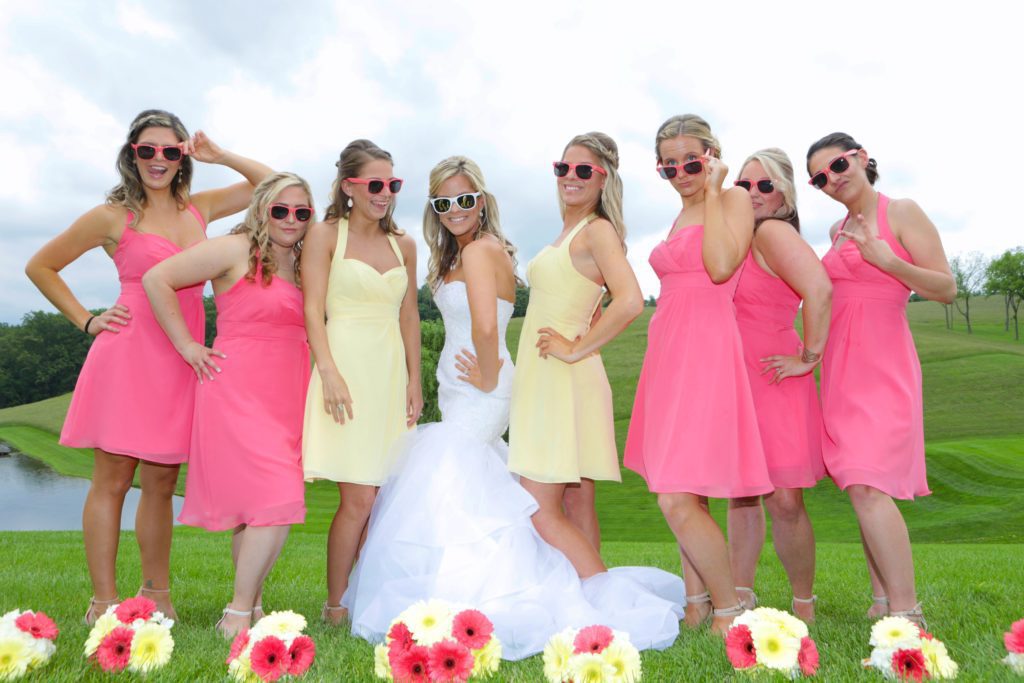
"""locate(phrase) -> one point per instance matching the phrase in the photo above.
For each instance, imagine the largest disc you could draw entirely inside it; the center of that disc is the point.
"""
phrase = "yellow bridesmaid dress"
(366, 343)
(561, 426)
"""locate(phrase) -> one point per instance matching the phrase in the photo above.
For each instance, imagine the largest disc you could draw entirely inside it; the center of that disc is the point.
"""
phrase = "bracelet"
(87, 322)
(808, 356)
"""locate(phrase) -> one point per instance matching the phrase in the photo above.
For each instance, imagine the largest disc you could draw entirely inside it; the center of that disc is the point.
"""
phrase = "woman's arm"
(224, 257)
(480, 265)
(793, 260)
(224, 201)
(409, 323)
(627, 299)
(94, 229)
(728, 224)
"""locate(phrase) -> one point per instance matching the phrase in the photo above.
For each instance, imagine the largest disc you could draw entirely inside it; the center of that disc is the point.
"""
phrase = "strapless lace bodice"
(484, 414)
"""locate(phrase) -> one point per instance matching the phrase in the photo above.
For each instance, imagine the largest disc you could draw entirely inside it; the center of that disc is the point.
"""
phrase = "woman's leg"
(793, 538)
(746, 527)
(879, 598)
(101, 525)
(258, 550)
(555, 528)
(581, 509)
(343, 541)
(704, 545)
(888, 543)
(154, 524)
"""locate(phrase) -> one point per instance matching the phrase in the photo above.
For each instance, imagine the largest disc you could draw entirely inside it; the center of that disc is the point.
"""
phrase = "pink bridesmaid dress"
(788, 413)
(135, 394)
(872, 406)
(694, 429)
(245, 465)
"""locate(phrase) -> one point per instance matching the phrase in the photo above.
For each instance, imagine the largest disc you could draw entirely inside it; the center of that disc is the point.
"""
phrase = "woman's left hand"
(202, 148)
(413, 403)
(551, 343)
(716, 171)
(782, 367)
(872, 247)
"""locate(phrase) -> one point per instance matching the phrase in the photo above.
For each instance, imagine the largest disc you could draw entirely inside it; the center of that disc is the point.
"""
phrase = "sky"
(927, 88)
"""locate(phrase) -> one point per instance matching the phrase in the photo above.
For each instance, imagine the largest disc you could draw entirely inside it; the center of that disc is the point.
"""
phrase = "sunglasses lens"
(561, 169)
(395, 184)
(375, 186)
(441, 205)
(819, 180)
(465, 201)
(765, 186)
(745, 184)
(839, 165)
(145, 152)
(584, 171)
(303, 215)
(279, 212)
(693, 167)
(667, 172)
(172, 153)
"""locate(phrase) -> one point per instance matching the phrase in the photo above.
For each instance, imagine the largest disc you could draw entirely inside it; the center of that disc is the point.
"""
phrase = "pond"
(35, 498)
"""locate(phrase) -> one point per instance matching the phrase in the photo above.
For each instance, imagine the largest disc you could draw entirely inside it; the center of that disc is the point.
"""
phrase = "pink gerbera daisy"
(909, 664)
(592, 639)
(115, 649)
(301, 652)
(135, 608)
(739, 647)
(238, 645)
(1014, 638)
(450, 661)
(38, 625)
(400, 638)
(410, 665)
(269, 658)
(471, 628)
(808, 657)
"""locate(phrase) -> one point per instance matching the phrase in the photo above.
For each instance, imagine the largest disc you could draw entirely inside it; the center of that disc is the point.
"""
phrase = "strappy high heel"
(914, 614)
(882, 600)
(724, 613)
(170, 613)
(90, 617)
(235, 613)
(257, 613)
(750, 603)
(699, 599)
(804, 601)
(328, 609)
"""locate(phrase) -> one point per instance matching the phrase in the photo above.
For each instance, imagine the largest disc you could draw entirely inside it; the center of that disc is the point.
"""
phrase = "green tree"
(211, 319)
(969, 273)
(40, 358)
(425, 299)
(432, 341)
(522, 300)
(1005, 276)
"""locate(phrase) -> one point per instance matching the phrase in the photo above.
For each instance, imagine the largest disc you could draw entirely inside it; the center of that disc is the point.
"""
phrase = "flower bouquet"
(132, 635)
(26, 642)
(1014, 640)
(902, 649)
(273, 648)
(766, 638)
(593, 654)
(437, 641)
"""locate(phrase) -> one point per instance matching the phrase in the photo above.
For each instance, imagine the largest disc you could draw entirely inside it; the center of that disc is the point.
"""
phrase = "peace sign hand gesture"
(872, 247)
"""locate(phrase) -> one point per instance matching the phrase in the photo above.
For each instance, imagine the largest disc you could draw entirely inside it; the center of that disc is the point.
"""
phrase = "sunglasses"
(169, 152)
(764, 185)
(583, 171)
(281, 212)
(690, 168)
(463, 201)
(838, 165)
(376, 185)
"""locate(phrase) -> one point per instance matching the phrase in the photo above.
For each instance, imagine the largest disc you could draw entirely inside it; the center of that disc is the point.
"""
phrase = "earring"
(483, 217)
(349, 203)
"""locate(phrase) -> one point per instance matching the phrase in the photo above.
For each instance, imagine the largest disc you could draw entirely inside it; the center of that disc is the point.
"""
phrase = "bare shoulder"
(832, 231)
(407, 245)
(905, 211)
(321, 232)
(737, 197)
(601, 232)
(487, 246)
(775, 231)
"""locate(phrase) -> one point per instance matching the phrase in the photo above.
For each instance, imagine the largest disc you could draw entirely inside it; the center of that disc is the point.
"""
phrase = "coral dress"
(245, 466)
(788, 413)
(694, 428)
(366, 344)
(562, 427)
(135, 394)
(871, 398)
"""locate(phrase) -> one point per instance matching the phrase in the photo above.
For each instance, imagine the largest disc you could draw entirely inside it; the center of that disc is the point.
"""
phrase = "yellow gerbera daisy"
(895, 632)
(625, 659)
(488, 658)
(556, 657)
(151, 648)
(776, 648)
(14, 658)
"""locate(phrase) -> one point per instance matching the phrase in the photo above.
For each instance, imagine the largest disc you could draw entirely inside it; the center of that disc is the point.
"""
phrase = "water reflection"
(35, 498)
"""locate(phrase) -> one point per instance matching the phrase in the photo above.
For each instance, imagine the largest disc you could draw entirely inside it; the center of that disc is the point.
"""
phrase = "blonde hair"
(779, 168)
(355, 155)
(256, 225)
(690, 125)
(607, 152)
(444, 250)
(131, 192)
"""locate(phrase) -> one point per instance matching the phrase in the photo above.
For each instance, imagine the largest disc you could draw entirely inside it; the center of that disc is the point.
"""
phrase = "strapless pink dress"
(694, 429)
(135, 394)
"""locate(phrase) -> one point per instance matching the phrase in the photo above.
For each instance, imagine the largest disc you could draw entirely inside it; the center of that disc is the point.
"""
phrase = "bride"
(451, 523)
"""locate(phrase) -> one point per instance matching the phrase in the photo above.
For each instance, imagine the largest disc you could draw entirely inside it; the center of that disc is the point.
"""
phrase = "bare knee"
(679, 506)
(111, 484)
(786, 505)
(866, 498)
(737, 503)
(357, 502)
(158, 480)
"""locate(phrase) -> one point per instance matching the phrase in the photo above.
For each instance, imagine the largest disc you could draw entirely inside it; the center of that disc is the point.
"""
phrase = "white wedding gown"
(451, 523)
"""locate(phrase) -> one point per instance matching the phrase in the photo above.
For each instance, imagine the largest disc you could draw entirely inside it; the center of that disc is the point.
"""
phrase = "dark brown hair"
(355, 155)
(846, 143)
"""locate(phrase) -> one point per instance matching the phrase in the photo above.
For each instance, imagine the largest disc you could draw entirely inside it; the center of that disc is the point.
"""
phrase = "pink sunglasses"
(168, 152)
(838, 165)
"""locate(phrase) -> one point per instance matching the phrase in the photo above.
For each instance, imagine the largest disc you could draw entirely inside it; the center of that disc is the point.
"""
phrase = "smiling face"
(766, 205)
(287, 231)
(844, 186)
(575, 192)
(157, 173)
(373, 206)
(678, 151)
(458, 221)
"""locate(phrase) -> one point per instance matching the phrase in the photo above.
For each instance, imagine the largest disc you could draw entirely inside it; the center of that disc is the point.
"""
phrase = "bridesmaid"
(359, 275)
(873, 436)
(562, 431)
(245, 465)
(133, 400)
(693, 433)
(781, 270)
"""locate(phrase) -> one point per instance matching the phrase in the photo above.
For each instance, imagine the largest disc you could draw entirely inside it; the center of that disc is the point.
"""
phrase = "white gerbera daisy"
(430, 622)
(895, 633)
(283, 623)
(556, 656)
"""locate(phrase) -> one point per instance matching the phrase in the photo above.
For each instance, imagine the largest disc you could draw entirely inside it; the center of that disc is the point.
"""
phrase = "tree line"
(977, 275)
